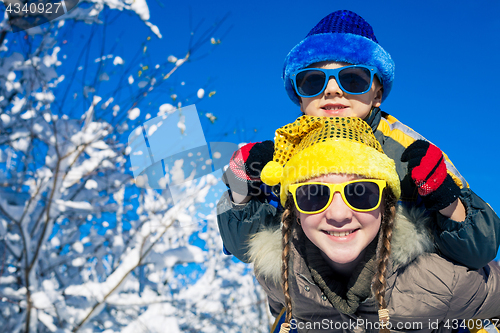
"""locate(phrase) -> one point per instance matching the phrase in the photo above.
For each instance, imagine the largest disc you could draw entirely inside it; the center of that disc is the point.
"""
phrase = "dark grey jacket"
(473, 242)
(426, 293)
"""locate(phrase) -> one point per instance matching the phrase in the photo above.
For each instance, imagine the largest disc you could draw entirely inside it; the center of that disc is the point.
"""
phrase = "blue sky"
(446, 55)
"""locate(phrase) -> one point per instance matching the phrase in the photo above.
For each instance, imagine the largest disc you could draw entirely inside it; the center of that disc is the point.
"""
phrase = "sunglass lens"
(312, 197)
(310, 82)
(362, 195)
(355, 79)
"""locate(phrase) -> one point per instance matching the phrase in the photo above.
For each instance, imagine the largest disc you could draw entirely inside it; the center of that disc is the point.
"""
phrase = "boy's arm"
(473, 242)
(455, 211)
(237, 222)
(240, 198)
(469, 229)
(242, 210)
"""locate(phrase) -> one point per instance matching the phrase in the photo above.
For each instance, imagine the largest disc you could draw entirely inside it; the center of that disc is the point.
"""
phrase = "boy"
(339, 69)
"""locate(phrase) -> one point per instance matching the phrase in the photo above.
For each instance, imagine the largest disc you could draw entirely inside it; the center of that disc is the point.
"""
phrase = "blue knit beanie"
(342, 36)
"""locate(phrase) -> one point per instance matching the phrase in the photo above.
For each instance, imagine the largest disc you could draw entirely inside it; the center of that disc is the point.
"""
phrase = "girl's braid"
(287, 220)
(379, 280)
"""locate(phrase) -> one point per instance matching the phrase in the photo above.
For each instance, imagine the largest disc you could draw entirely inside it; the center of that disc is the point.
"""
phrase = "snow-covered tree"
(82, 248)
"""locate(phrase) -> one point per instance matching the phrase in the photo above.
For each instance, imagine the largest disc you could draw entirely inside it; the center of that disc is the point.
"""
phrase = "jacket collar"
(411, 238)
(373, 118)
(344, 294)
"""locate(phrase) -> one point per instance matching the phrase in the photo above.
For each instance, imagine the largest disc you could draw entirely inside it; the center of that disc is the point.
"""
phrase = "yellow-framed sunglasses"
(361, 195)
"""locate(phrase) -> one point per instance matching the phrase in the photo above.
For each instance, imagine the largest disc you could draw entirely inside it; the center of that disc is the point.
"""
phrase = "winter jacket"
(473, 242)
(425, 292)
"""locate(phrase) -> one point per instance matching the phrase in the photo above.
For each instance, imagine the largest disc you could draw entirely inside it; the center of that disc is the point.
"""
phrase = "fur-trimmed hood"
(411, 238)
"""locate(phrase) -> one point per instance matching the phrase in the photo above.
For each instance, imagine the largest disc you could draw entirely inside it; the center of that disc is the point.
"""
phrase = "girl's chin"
(346, 259)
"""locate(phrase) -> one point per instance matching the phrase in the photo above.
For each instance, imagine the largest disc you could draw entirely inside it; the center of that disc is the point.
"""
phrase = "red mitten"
(427, 169)
(245, 166)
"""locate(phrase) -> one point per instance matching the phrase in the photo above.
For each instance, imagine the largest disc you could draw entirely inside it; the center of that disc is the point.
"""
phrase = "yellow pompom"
(271, 174)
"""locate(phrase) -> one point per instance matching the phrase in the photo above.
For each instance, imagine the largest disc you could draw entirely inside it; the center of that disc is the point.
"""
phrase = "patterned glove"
(427, 169)
(243, 174)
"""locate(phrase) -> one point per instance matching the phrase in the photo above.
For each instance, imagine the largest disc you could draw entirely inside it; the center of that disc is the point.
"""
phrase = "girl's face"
(333, 102)
(341, 233)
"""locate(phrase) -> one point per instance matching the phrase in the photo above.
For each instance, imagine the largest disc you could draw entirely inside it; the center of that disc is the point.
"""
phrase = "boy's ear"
(301, 107)
(300, 102)
(377, 99)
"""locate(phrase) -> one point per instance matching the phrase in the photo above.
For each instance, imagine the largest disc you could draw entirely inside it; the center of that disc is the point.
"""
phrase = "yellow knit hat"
(314, 146)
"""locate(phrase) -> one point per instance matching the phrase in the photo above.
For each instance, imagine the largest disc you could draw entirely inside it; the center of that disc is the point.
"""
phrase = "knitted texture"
(342, 36)
(245, 166)
(427, 169)
(344, 295)
(238, 163)
(315, 146)
(344, 22)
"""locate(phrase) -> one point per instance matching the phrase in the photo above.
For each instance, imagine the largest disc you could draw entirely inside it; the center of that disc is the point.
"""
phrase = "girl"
(340, 69)
(344, 260)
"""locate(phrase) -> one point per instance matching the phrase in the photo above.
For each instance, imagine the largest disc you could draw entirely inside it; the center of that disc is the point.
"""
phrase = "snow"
(47, 320)
(118, 61)
(5, 118)
(99, 145)
(140, 7)
(185, 254)
(21, 144)
(156, 318)
(81, 205)
(166, 109)
(46, 117)
(55, 242)
(134, 113)
(77, 262)
(153, 128)
(104, 77)
(14, 211)
(49, 60)
(154, 29)
(98, 253)
(78, 247)
(28, 114)
(40, 300)
(200, 93)
(46, 97)
(90, 184)
(106, 104)
(17, 104)
(7, 279)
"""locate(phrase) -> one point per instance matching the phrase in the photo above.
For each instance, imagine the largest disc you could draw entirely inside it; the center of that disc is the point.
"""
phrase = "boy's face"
(333, 102)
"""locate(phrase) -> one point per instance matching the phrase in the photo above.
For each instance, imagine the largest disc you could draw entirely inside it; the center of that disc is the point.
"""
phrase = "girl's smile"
(341, 233)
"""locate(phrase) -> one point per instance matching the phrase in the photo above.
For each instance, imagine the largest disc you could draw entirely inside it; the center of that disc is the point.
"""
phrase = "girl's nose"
(332, 88)
(338, 211)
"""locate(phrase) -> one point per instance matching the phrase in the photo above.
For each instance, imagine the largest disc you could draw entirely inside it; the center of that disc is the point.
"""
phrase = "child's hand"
(243, 175)
(427, 169)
